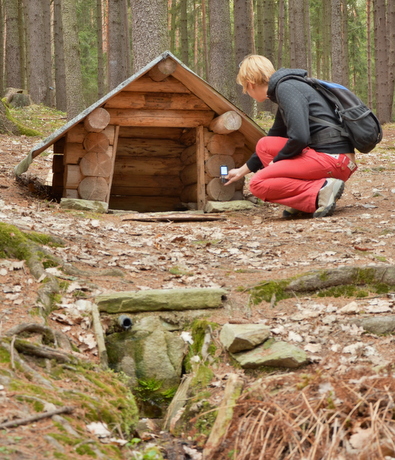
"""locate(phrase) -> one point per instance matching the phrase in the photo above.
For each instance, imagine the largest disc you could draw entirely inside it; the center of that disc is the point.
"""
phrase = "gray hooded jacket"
(296, 102)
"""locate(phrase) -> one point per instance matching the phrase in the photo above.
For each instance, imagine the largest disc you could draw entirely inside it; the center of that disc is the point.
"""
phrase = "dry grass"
(314, 417)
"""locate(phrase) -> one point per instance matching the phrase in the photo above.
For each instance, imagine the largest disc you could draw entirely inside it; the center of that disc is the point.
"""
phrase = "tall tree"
(1, 50)
(149, 31)
(391, 60)
(222, 64)
(118, 43)
(297, 29)
(101, 75)
(60, 72)
(184, 32)
(13, 76)
(37, 25)
(337, 41)
(244, 45)
(74, 90)
(383, 107)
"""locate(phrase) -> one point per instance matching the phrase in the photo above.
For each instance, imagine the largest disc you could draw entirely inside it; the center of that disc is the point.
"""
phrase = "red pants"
(297, 181)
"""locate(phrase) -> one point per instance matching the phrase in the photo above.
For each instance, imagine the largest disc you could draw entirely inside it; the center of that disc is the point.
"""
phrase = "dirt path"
(237, 253)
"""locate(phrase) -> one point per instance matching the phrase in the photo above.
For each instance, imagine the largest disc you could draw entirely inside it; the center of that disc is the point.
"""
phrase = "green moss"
(86, 449)
(65, 439)
(268, 289)
(4, 356)
(24, 130)
(344, 291)
(180, 271)
(17, 244)
(203, 376)
(199, 327)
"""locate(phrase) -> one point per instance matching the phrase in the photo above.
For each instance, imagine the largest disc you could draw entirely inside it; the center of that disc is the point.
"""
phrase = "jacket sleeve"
(292, 120)
(254, 163)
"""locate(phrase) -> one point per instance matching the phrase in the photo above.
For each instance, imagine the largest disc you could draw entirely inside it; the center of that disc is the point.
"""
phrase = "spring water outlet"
(125, 322)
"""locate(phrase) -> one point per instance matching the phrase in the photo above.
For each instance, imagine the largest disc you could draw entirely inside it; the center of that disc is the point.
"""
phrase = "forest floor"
(237, 253)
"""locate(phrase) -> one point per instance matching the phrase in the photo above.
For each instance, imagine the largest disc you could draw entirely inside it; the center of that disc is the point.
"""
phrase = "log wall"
(139, 151)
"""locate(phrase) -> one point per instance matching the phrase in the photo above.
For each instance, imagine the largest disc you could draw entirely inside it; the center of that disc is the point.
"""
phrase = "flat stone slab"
(161, 299)
(378, 325)
(84, 205)
(273, 354)
(222, 206)
(241, 337)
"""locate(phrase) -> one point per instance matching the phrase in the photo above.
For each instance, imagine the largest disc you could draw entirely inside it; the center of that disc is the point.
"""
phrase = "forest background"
(69, 53)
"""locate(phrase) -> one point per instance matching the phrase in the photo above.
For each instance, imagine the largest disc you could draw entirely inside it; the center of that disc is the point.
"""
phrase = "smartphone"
(223, 171)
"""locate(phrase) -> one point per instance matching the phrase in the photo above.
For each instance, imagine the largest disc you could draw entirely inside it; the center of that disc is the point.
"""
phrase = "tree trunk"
(74, 89)
(297, 29)
(13, 76)
(149, 31)
(383, 98)
(101, 75)
(244, 45)
(222, 72)
(37, 72)
(60, 72)
(184, 32)
(118, 46)
(337, 41)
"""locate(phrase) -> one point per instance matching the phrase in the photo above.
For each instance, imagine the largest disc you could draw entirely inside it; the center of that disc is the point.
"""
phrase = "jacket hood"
(274, 79)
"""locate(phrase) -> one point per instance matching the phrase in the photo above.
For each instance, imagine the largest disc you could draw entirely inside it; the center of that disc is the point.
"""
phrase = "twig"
(35, 418)
(13, 352)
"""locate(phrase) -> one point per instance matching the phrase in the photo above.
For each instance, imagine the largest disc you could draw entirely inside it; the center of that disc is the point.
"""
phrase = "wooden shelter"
(154, 143)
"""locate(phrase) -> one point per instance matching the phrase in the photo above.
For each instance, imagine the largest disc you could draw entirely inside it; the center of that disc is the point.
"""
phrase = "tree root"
(35, 418)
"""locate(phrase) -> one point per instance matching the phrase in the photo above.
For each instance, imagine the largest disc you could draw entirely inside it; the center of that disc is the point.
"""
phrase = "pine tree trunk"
(118, 49)
(149, 31)
(37, 73)
(60, 73)
(244, 45)
(383, 98)
(13, 76)
(101, 78)
(74, 89)
(337, 41)
(222, 72)
(184, 32)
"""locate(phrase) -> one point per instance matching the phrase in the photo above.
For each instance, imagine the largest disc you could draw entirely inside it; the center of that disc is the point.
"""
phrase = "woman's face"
(257, 92)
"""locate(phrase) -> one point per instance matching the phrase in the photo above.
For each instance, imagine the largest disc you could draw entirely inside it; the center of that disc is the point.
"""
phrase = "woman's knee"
(257, 188)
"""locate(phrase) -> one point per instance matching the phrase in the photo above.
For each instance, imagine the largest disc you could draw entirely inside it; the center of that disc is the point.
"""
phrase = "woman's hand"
(236, 174)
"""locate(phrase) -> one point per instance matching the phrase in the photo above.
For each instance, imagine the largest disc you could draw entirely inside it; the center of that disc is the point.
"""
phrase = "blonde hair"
(254, 69)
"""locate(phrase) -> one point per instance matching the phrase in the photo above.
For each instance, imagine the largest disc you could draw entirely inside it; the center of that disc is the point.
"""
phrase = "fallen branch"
(35, 418)
(97, 327)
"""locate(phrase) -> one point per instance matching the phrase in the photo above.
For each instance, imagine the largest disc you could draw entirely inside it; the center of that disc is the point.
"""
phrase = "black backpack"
(356, 120)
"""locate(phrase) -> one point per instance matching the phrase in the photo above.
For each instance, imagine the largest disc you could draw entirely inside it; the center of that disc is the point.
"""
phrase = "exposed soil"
(236, 253)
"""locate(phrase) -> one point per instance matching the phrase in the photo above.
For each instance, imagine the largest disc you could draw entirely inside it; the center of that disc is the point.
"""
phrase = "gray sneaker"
(327, 197)
(292, 213)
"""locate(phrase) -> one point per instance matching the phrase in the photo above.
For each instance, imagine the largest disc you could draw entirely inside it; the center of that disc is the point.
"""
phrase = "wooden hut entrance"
(147, 170)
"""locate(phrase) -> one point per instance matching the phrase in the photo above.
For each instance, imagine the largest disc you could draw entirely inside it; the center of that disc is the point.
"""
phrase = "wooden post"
(201, 189)
(114, 154)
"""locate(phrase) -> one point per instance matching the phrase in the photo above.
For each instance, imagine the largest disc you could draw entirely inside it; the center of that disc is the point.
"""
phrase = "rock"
(378, 325)
(274, 354)
(222, 206)
(147, 352)
(161, 299)
(239, 337)
(350, 309)
(84, 205)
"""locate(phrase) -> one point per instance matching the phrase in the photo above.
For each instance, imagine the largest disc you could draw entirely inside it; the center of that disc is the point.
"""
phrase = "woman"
(299, 164)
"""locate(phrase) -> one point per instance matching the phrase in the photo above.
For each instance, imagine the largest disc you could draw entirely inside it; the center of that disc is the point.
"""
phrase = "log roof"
(199, 87)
